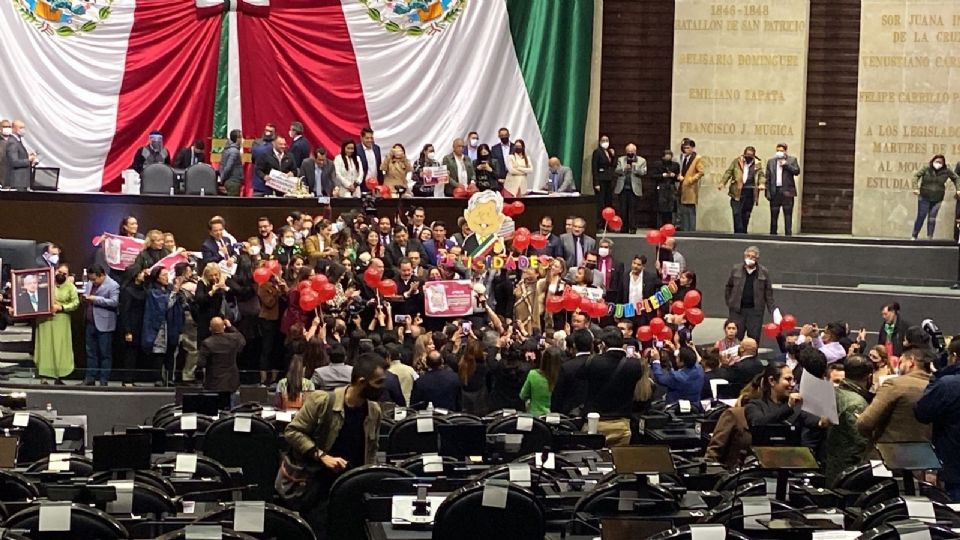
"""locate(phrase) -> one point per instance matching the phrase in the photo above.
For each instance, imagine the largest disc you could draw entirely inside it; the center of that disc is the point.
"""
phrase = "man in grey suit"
(631, 169)
(20, 163)
(6, 130)
(459, 166)
(559, 178)
(781, 191)
(576, 245)
(318, 173)
(100, 315)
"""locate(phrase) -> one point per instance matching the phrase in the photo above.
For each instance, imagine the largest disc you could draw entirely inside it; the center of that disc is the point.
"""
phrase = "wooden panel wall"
(830, 134)
(637, 78)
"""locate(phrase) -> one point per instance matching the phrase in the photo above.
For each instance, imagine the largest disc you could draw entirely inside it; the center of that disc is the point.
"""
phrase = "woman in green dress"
(540, 382)
(53, 348)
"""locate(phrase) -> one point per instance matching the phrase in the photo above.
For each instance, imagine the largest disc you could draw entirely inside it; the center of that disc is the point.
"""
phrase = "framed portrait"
(32, 292)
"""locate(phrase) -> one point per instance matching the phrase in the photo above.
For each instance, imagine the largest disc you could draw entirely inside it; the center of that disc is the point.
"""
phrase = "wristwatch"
(318, 453)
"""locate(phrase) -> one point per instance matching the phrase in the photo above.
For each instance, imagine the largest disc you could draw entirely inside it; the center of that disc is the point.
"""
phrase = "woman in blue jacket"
(686, 382)
(163, 317)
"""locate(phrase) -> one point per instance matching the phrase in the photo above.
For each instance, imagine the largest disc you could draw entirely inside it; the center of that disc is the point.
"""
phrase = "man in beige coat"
(889, 417)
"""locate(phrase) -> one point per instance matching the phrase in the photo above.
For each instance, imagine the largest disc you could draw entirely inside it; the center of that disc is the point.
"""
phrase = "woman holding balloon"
(550, 290)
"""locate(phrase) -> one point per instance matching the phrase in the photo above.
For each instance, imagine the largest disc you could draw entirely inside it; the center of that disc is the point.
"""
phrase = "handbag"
(298, 481)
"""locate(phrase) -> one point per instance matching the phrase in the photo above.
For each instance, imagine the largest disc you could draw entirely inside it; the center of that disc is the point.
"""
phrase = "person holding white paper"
(845, 446)
(778, 403)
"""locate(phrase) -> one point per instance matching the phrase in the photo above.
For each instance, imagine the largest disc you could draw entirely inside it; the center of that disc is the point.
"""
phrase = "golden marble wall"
(908, 110)
(739, 79)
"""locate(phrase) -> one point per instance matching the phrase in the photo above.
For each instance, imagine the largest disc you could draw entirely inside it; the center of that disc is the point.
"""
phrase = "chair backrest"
(896, 510)
(462, 516)
(37, 440)
(538, 478)
(200, 177)
(164, 412)
(15, 487)
(278, 522)
(463, 418)
(404, 438)
(730, 513)
(856, 478)
(730, 481)
(889, 532)
(79, 465)
(257, 452)
(150, 478)
(604, 500)
(415, 465)
(86, 523)
(226, 534)
(534, 440)
(211, 470)
(10, 535)
(685, 533)
(345, 512)
(150, 501)
(157, 179)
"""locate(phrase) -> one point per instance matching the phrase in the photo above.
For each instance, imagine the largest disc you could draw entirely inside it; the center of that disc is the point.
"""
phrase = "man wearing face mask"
(748, 292)
(591, 262)
(260, 148)
(559, 178)
(609, 270)
(931, 184)
(943, 394)
(781, 184)
(631, 168)
(50, 257)
(665, 173)
(499, 153)
(692, 169)
(337, 430)
(153, 152)
(890, 416)
(6, 130)
(473, 142)
(745, 176)
(190, 156)
(603, 165)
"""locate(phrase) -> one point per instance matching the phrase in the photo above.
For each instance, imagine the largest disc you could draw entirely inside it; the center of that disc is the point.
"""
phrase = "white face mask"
(54, 259)
(254, 250)
(937, 165)
(289, 242)
(604, 145)
(749, 262)
(430, 155)
(336, 227)
(781, 154)
(474, 143)
(603, 252)
(7, 132)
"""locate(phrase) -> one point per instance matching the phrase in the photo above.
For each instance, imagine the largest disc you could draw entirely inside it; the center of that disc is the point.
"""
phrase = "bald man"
(631, 168)
(218, 358)
(749, 366)
(20, 162)
(460, 167)
(559, 178)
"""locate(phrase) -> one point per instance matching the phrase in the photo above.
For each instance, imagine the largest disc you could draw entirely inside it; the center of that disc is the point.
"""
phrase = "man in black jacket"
(279, 160)
(570, 392)
(641, 282)
(749, 365)
(439, 385)
(611, 379)
(218, 358)
(748, 292)
(401, 247)
(190, 156)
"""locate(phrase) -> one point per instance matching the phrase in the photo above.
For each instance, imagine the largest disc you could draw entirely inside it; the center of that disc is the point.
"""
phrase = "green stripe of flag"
(220, 104)
(554, 44)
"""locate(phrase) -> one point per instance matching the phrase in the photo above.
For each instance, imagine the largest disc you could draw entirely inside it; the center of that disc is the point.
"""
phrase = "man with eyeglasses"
(553, 248)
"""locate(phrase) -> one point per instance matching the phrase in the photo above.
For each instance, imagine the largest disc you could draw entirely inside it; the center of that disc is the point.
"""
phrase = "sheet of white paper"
(188, 422)
(520, 474)
(424, 425)
(714, 383)
(186, 463)
(653, 479)
(879, 469)
(203, 532)
(836, 535)
(495, 494)
(241, 424)
(248, 516)
(58, 462)
(819, 397)
(284, 416)
(21, 419)
(432, 464)
(920, 508)
(54, 516)
(708, 532)
(912, 529)
(552, 419)
(706, 405)
(777, 316)
(124, 502)
(524, 423)
(399, 414)
(513, 439)
(755, 509)
(189, 507)
(684, 405)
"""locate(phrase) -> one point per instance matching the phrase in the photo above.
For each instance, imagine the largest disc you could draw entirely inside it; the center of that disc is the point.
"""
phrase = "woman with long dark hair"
(506, 380)
(421, 187)
(472, 371)
(486, 167)
(603, 165)
(163, 318)
(778, 403)
(396, 169)
(129, 227)
(541, 381)
(292, 389)
(519, 168)
(347, 166)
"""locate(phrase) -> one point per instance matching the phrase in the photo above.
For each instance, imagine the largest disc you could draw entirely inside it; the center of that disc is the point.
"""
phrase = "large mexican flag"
(93, 78)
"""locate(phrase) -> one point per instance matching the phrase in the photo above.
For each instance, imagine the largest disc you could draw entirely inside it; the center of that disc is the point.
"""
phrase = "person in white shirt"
(519, 168)
(781, 191)
(348, 171)
(473, 142)
(371, 160)
(268, 239)
(460, 168)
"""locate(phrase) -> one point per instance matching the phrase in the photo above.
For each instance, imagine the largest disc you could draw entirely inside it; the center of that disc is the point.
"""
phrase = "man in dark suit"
(20, 162)
(319, 173)
(279, 160)
(408, 288)
(217, 246)
(416, 225)
(439, 385)
(569, 392)
(748, 367)
(6, 130)
(300, 147)
(576, 245)
(499, 152)
(401, 246)
(190, 156)
(640, 283)
(50, 256)
(749, 291)
(781, 191)
(609, 270)
(370, 158)
(611, 380)
(218, 358)
(459, 166)
(437, 246)
(553, 248)
(32, 299)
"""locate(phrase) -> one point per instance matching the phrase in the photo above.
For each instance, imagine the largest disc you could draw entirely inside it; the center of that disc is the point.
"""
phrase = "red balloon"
(600, 309)
(555, 304)
(388, 287)
(372, 183)
(327, 292)
(677, 308)
(586, 305)
(522, 230)
(309, 300)
(654, 238)
(261, 275)
(771, 329)
(644, 333)
(615, 223)
(274, 266)
(691, 299)
(460, 192)
(571, 300)
(304, 285)
(372, 277)
(508, 210)
(539, 241)
(518, 208)
(694, 316)
(317, 281)
(668, 230)
(521, 241)
(608, 213)
(656, 325)
(665, 334)
(788, 323)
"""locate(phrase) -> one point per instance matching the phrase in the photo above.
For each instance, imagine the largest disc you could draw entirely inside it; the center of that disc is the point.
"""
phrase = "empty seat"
(157, 179)
(462, 516)
(200, 178)
(405, 438)
(37, 439)
(278, 522)
(256, 452)
(346, 511)
(86, 523)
